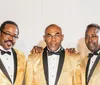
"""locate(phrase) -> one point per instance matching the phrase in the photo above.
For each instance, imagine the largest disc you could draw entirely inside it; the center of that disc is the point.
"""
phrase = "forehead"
(92, 30)
(10, 27)
(53, 29)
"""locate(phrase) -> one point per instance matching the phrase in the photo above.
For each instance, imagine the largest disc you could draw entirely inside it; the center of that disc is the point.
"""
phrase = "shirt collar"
(56, 50)
(4, 49)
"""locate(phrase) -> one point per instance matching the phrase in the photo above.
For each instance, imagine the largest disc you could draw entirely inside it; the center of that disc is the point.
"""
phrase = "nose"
(10, 37)
(90, 39)
(53, 38)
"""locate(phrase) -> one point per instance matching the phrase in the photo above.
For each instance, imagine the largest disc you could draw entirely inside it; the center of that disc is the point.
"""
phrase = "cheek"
(48, 40)
(14, 41)
(86, 41)
(4, 37)
(59, 40)
(95, 40)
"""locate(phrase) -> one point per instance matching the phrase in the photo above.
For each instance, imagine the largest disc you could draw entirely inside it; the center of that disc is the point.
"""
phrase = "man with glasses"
(12, 61)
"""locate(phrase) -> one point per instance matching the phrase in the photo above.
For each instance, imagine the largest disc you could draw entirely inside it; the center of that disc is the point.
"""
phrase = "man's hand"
(36, 49)
(71, 50)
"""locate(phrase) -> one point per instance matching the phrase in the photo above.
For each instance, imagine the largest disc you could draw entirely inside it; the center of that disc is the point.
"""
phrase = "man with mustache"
(12, 61)
(53, 65)
(91, 64)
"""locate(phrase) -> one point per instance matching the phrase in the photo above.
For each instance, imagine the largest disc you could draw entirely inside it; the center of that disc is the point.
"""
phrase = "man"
(12, 61)
(92, 63)
(53, 66)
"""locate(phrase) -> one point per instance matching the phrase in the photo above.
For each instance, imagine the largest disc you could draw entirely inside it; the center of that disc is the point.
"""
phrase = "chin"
(53, 49)
(8, 48)
(92, 50)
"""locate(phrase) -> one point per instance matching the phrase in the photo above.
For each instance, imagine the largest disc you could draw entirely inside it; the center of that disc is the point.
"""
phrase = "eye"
(58, 35)
(6, 33)
(15, 36)
(94, 36)
(86, 36)
(48, 36)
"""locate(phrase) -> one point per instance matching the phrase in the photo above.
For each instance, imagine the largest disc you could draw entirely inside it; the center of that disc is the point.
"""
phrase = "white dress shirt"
(92, 63)
(8, 62)
(53, 61)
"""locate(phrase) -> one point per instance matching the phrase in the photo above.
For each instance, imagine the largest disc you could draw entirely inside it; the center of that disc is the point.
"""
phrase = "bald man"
(54, 65)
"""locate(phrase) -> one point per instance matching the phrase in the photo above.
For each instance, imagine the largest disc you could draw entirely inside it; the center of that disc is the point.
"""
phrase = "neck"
(56, 50)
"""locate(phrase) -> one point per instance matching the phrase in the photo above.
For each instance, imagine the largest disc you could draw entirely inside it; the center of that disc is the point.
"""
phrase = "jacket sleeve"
(29, 72)
(77, 77)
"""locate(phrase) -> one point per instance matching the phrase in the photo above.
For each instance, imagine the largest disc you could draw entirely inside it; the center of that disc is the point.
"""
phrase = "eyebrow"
(9, 32)
(56, 33)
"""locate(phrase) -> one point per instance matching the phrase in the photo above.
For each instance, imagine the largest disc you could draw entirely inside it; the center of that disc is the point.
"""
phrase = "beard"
(92, 47)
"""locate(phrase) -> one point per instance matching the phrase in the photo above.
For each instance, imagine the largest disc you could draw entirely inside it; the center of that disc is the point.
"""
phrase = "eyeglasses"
(8, 34)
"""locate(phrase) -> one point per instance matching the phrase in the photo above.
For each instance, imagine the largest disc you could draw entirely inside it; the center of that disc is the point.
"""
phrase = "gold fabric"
(21, 63)
(95, 78)
(70, 75)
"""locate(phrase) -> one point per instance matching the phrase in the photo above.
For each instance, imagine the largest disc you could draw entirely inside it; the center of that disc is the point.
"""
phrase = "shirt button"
(8, 67)
(6, 58)
(11, 75)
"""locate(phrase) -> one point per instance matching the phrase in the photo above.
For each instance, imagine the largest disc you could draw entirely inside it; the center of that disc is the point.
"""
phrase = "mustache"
(9, 41)
(91, 43)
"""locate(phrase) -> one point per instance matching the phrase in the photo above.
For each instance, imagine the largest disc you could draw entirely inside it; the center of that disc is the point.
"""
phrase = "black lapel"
(15, 64)
(4, 70)
(93, 68)
(87, 67)
(60, 65)
(45, 65)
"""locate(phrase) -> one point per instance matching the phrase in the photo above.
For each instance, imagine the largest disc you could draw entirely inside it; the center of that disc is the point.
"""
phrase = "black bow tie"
(3, 52)
(55, 53)
(91, 54)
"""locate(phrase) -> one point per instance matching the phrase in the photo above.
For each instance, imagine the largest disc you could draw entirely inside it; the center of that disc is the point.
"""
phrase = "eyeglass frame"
(8, 34)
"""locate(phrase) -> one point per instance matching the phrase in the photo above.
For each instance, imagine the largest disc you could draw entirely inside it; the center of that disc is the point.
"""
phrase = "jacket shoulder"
(19, 52)
(74, 55)
(34, 56)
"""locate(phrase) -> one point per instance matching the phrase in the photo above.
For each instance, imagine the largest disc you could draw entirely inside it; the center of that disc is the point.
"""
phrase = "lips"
(91, 44)
(9, 43)
(53, 45)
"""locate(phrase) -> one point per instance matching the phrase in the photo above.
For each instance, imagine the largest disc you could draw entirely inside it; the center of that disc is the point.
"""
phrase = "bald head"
(53, 26)
(53, 37)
